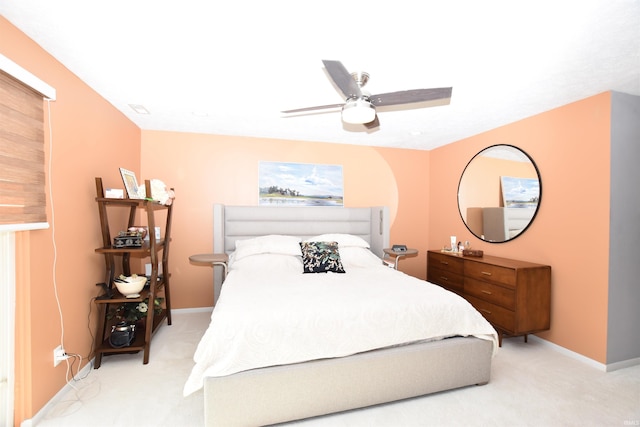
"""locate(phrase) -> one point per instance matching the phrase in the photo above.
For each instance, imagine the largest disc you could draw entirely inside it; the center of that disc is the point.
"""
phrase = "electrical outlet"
(59, 355)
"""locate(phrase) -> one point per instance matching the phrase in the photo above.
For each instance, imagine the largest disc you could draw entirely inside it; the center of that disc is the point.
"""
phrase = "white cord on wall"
(53, 223)
(55, 248)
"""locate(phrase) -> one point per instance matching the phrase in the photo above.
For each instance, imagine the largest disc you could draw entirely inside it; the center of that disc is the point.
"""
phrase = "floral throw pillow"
(321, 257)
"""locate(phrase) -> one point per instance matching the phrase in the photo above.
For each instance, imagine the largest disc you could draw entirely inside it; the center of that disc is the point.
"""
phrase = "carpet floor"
(532, 384)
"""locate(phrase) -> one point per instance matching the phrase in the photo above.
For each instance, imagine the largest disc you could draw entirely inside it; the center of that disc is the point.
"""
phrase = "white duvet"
(267, 317)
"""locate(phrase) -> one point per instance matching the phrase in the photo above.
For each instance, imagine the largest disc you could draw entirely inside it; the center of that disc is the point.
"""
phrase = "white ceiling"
(229, 67)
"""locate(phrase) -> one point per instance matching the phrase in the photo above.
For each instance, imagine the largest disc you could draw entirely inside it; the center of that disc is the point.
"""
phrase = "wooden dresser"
(514, 296)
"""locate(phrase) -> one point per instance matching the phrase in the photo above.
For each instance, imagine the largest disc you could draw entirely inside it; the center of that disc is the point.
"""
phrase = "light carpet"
(531, 384)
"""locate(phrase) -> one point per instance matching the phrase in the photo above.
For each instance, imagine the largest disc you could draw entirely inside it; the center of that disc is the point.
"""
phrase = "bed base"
(291, 392)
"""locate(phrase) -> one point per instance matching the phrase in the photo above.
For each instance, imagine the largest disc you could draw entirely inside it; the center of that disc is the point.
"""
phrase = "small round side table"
(398, 255)
(212, 260)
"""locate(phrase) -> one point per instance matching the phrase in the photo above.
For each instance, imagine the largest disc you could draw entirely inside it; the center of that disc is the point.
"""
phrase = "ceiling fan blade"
(342, 79)
(410, 96)
(320, 107)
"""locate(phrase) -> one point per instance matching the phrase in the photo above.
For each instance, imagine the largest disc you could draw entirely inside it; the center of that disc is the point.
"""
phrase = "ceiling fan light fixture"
(358, 111)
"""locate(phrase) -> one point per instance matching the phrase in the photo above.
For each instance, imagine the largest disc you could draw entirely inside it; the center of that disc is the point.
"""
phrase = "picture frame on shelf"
(134, 191)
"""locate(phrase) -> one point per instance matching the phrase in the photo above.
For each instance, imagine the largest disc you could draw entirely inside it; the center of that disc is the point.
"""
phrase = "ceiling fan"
(359, 106)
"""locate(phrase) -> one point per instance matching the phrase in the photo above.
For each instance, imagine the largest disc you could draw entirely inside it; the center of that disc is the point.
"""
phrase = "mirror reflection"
(499, 193)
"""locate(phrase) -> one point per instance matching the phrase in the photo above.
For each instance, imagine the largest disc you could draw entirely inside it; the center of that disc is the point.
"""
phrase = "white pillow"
(267, 263)
(344, 240)
(271, 244)
(352, 256)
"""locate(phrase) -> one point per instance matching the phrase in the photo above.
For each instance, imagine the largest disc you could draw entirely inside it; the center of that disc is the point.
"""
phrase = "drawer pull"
(444, 262)
(446, 279)
(486, 273)
(485, 311)
(486, 292)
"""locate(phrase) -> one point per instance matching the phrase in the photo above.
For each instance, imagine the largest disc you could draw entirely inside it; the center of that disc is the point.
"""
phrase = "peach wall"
(89, 138)
(411, 228)
(208, 169)
(571, 146)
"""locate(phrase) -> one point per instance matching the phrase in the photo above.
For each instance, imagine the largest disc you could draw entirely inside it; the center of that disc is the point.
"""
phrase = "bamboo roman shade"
(22, 176)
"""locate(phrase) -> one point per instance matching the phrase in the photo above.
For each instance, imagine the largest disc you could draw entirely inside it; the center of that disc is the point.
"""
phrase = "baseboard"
(38, 417)
(623, 364)
(610, 367)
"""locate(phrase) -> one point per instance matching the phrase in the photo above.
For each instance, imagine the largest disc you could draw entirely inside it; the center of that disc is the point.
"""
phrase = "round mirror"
(499, 193)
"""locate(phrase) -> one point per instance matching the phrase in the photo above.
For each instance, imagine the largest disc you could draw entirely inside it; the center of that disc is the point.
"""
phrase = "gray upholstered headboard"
(231, 223)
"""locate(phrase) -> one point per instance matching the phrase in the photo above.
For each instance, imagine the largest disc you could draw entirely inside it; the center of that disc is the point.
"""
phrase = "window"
(22, 175)
(22, 178)
(21, 163)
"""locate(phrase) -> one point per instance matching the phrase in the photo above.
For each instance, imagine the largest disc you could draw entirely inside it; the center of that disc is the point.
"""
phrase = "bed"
(283, 345)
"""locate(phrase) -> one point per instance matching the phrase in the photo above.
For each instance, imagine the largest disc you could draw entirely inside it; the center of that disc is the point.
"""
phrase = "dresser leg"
(499, 338)
(525, 338)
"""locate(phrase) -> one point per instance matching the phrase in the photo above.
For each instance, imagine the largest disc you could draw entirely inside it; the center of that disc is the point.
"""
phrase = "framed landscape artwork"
(300, 184)
(520, 192)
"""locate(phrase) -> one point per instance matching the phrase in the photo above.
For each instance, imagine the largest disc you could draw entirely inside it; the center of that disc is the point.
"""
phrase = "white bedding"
(276, 315)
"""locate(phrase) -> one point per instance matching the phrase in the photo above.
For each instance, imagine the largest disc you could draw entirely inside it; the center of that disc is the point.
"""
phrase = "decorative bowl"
(131, 286)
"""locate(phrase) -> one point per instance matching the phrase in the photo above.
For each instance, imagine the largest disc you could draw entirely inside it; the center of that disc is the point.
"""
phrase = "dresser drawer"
(498, 316)
(447, 279)
(445, 262)
(495, 294)
(492, 273)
